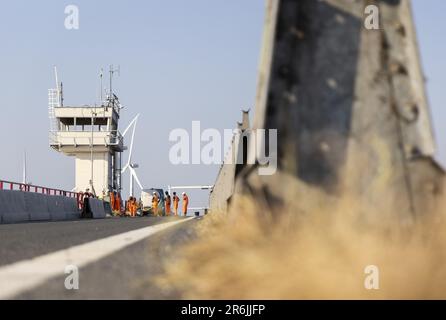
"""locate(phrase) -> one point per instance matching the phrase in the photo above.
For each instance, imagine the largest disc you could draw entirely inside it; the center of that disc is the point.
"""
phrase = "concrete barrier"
(70, 208)
(36, 205)
(97, 208)
(55, 208)
(18, 206)
(63, 208)
(12, 206)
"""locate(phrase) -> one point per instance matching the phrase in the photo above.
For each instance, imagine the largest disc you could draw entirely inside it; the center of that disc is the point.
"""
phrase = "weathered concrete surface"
(225, 182)
(350, 109)
(223, 188)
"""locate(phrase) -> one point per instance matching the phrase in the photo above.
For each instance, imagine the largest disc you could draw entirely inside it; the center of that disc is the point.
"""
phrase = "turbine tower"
(130, 165)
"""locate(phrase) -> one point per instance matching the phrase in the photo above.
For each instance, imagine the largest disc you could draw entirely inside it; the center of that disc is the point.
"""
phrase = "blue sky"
(431, 29)
(180, 61)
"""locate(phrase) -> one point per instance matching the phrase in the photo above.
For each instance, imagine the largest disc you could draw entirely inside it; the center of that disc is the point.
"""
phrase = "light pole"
(93, 115)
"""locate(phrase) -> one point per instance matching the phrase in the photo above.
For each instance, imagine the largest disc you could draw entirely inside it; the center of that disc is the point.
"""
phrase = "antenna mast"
(112, 96)
(24, 178)
(112, 72)
(59, 89)
(102, 88)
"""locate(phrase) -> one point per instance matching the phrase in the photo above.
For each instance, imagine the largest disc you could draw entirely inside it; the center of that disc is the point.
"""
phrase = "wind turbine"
(132, 166)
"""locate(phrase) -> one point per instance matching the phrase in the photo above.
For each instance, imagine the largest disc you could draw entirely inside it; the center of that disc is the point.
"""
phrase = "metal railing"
(16, 186)
(9, 185)
(110, 138)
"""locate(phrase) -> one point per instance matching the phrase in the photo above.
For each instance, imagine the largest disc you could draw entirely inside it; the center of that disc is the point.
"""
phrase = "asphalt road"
(125, 274)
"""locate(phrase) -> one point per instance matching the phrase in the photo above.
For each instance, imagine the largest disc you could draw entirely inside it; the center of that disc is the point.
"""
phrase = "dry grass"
(321, 255)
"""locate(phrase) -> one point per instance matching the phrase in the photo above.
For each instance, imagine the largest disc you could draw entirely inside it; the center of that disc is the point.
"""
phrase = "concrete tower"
(90, 134)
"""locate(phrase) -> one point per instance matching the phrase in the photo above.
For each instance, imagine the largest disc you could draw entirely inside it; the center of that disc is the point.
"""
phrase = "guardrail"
(81, 137)
(9, 185)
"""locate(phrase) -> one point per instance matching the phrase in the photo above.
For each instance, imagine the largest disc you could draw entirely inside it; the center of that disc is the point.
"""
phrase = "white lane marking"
(27, 274)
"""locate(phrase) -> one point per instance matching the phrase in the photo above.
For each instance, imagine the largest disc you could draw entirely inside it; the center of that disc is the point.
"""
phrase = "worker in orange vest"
(112, 201)
(134, 207)
(127, 207)
(155, 202)
(185, 203)
(176, 201)
(131, 207)
(118, 202)
(136, 204)
(168, 202)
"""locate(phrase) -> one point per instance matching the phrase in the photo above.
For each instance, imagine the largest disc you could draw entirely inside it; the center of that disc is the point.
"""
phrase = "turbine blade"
(125, 168)
(133, 173)
(130, 125)
(133, 137)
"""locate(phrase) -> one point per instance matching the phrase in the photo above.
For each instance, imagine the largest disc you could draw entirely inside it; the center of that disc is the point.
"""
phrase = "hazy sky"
(180, 61)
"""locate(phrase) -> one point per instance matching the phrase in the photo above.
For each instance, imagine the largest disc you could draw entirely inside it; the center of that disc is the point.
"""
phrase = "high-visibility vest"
(155, 201)
(176, 200)
(112, 201)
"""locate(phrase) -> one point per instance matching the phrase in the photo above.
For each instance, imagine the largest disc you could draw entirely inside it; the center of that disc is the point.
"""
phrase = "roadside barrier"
(21, 202)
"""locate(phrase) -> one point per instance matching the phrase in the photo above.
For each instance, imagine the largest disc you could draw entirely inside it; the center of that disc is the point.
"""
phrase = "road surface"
(118, 257)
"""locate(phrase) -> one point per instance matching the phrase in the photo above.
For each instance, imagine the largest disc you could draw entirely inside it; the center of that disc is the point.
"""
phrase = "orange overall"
(155, 202)
(112, 201)
(135, 207)
(176, 201)
(185, 204)
(168, 205)
(132, 207)
(118, 203)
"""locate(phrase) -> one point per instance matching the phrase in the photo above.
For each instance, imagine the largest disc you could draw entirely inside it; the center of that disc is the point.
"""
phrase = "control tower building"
(91, 135)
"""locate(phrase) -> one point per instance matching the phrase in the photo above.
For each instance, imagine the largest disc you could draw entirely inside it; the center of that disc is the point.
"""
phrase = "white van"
(146, 198)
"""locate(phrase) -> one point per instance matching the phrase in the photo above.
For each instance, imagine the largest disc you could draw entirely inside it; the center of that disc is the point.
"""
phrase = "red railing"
(8, 185)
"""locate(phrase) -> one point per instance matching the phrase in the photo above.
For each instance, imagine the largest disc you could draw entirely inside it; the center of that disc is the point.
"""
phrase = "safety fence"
(8, 185)
(20, 202)
(16, 186)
